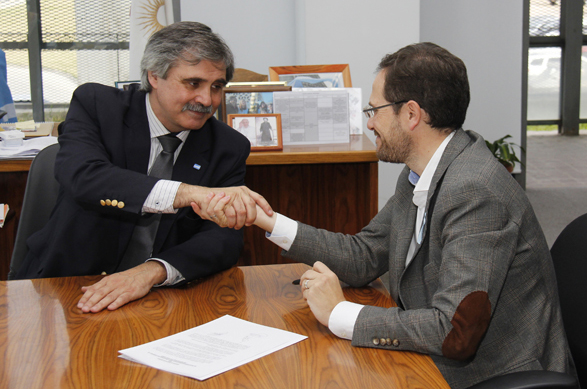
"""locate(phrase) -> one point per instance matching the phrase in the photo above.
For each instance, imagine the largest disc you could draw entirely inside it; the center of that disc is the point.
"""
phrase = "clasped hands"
(235, 207)
(232, 207)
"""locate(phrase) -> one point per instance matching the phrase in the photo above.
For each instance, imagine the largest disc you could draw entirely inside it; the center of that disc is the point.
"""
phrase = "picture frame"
(251, 96)
(262, 130)
(317, 76)
(124, 85)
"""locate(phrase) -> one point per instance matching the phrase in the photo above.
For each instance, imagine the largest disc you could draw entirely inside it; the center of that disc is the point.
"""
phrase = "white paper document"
(29, 149)
(355, 106)
(212, 348)
(313, 116)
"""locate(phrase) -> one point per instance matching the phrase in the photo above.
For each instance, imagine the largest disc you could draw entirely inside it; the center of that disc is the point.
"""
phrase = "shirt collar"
(156, 127)
(422, 183)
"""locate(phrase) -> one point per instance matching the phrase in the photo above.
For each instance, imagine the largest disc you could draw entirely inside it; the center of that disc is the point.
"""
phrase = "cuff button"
(376, 341)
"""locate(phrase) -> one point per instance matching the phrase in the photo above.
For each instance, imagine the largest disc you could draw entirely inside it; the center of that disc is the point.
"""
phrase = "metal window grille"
(81, 41)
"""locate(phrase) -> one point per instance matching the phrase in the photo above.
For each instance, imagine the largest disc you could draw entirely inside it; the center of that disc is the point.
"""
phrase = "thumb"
(197, 209)
(320, 267)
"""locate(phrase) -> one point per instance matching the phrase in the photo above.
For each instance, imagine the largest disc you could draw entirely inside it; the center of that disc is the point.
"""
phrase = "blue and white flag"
(6, 103)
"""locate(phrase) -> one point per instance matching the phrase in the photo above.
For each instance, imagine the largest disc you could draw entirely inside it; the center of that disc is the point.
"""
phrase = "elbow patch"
(470, 323)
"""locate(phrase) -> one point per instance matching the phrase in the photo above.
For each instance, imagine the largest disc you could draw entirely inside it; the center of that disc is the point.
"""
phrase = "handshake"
(232, 207)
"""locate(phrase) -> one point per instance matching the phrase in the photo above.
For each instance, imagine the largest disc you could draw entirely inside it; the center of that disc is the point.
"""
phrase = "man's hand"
(117, 289)
(239, 206)
(213, 208)
(322, 291)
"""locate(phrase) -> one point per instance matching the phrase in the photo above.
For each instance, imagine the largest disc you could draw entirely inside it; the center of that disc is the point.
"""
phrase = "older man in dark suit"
(131, 162)
(468, 263)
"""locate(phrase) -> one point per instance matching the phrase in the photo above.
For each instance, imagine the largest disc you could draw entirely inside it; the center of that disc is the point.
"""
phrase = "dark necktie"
(140, 246)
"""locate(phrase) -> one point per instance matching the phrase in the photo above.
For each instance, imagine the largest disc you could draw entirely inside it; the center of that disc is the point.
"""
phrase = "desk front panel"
(46, 342)
(339, 197)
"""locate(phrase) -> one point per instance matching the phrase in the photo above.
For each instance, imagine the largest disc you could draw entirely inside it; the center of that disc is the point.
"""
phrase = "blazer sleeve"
(91, 157)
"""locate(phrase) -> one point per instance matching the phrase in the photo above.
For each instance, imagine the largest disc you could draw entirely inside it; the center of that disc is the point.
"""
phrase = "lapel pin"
(197, 167)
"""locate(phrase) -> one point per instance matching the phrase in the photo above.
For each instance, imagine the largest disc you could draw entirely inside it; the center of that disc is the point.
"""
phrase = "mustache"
(197, 108)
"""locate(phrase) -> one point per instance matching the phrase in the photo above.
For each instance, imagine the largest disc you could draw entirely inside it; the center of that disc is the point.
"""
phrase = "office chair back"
(40, 197)
(569, 255)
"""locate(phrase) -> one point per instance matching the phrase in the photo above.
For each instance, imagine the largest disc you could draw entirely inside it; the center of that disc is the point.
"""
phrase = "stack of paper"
(212, 348)
(29, 149)
(4, 208)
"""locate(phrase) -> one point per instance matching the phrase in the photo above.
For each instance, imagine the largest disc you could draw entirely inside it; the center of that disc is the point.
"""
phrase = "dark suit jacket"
(104, 153)
(480, 294)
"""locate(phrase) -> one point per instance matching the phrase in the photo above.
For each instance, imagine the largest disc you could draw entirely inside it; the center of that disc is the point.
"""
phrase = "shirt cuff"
(284, 232)
(342, 319)
(161, 198)
(173, 275)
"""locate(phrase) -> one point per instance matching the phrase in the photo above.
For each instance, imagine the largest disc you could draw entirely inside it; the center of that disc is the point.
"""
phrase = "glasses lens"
(368, 111)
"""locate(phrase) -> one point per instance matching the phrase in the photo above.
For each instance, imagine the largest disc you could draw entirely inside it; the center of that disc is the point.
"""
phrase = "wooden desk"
(333, 186)
(46, 342)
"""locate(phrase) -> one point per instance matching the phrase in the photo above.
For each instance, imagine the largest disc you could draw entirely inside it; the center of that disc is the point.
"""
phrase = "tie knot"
(170, 142)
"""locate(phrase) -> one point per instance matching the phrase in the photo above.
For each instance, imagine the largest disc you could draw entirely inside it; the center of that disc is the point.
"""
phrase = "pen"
(296, 282)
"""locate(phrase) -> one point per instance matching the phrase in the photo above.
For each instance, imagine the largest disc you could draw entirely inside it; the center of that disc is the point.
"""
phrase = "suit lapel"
(137, 136)
(456, 145)
(404, 215)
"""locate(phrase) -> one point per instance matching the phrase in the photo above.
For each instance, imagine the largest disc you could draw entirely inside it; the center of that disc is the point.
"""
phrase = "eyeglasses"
(369, 111)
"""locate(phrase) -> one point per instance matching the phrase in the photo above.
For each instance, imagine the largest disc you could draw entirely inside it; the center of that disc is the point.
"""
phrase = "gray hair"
(191, 42)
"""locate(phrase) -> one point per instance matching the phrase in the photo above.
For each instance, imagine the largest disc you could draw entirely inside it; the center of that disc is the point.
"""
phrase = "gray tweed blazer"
(480, 295)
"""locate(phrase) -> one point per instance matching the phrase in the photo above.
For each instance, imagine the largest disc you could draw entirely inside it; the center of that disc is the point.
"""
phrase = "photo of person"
(262, 130)
(241, 124)
(265, 132)
(231, 105)
(243, 106)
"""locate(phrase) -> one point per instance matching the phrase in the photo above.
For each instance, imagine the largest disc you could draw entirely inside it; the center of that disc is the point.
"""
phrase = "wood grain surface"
(46, 342)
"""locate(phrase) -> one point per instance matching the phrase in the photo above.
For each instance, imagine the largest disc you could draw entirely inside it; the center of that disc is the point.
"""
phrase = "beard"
(396, 148)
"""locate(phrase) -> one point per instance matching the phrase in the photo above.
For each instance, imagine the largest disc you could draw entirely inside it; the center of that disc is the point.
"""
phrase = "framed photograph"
(262, 130)
(125, 84)
(313, 76)
(245, 100)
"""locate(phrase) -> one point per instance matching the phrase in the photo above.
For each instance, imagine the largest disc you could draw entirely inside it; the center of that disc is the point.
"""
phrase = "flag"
(146, 18)
(6, 102)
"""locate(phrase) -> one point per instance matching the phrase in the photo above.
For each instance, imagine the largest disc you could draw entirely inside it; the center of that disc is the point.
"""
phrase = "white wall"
(487, 36)
(260, 33)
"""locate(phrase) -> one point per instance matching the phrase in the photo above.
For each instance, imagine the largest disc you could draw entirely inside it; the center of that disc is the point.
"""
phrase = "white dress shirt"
(344, 315)
(162, 196)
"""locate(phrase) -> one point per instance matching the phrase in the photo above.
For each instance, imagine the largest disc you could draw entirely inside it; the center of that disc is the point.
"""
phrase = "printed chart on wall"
(309, 117)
